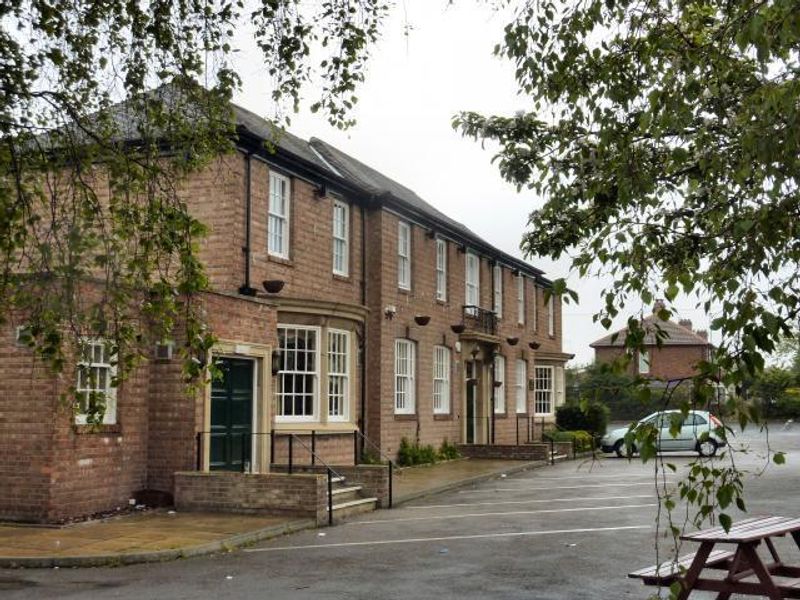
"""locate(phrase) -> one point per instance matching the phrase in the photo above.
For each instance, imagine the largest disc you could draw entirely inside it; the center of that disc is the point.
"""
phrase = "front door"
(231, 415)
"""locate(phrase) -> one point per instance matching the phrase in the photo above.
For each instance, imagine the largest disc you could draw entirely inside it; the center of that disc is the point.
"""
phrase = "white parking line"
(571, 499)
(451, 538)
(499, 514)
(554, 487)
(585, 476)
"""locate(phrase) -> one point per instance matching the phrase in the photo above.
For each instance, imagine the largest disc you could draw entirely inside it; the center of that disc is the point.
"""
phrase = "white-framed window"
(404, 255)
(472, 283)
(551, 315)
(543, 394)
(644, 362)
(522, 386)
(500, 384)
(441, 269)
(404, 382)
(278, 226)
(341, 238)
(497, 288)
(441, 380)
(95, 393)
(535, 307)
(338, 374)
(520, 299)
(298, 376)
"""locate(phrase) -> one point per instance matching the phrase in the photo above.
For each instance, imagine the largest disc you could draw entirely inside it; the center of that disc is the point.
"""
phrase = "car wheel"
(707, 447)
(621, 451)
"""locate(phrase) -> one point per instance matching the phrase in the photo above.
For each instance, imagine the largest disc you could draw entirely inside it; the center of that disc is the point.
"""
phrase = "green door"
(231, 415)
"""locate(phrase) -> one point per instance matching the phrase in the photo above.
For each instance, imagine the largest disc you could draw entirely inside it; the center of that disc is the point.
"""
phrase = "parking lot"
(573, 530)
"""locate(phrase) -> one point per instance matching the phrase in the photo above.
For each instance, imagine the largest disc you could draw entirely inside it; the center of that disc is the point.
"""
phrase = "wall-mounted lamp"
(389, 311)
(422, 320)
(273, 286)
(276, 362)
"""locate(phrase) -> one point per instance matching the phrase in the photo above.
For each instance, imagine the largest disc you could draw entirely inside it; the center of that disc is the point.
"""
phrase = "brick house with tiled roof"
(382, 317)
(676, 357)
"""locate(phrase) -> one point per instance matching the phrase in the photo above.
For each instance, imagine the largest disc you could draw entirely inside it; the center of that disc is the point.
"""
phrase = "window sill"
(500, 415)
(405, 417)
(401, 290)
(442, 417)
(343, 278)
(280, 260)
(105, 429)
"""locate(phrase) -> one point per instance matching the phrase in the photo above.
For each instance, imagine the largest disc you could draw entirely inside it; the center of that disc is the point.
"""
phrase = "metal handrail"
(329, 470)
(485, 318)
(388, 460)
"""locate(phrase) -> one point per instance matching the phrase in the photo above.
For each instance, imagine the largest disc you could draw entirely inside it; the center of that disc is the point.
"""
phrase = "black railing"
(366, 441)
(526, 429)
(329, 472)
(480, 319)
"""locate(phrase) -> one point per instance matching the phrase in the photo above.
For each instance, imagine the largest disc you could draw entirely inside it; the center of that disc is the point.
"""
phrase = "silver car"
(689, 439)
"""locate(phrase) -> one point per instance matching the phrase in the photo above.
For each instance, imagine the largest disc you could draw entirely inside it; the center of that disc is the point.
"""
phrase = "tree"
(93, 97)
(665, 140)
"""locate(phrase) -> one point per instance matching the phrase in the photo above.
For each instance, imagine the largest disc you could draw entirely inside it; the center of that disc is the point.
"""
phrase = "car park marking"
(502, 514)
(571, 499)
(556, 487)
(453, 538)
(587, 475)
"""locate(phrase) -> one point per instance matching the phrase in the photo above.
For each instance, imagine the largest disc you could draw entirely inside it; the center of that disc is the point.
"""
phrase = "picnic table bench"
(745, 572)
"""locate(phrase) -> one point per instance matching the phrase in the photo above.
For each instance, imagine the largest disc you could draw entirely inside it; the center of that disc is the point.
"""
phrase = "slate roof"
(379, 184)
(678, 335)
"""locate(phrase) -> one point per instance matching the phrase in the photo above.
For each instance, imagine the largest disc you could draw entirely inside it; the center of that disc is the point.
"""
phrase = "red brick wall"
(273, 493)
(27, 401)
(667, 362)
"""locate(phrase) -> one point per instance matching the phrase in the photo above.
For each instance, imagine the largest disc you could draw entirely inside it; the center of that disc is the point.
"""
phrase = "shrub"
(448, 451)
(413, 454)
(581, 439)
(573, 418)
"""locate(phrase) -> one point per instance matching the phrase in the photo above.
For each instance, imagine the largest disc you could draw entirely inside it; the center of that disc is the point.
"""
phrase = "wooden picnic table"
(745, 571)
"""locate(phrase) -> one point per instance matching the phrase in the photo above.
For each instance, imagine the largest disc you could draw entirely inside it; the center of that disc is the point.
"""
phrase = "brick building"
(675, 358)
(383, 316)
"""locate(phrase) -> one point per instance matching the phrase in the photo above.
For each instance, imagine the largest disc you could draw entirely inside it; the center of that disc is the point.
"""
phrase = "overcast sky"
(414, 86)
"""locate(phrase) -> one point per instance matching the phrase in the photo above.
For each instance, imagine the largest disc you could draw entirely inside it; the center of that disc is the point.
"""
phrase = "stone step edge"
(351, 503)
(345, 490)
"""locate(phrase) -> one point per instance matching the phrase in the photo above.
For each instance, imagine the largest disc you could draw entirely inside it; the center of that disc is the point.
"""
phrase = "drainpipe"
(494, 395)
(245, 289)
(363, 415)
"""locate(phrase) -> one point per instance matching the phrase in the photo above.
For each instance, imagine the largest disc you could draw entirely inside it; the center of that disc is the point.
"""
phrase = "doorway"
(232, 415)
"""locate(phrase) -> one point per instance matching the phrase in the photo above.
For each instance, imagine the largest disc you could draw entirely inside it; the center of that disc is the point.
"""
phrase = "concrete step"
(345, 494)
(337, 479)
(343, 510)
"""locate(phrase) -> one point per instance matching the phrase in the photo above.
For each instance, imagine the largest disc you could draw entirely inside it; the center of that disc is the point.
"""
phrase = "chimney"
(658, 305)
(686, 323)
(702, 333)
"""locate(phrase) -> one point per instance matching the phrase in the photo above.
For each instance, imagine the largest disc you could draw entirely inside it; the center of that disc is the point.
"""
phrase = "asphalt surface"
(570, 531)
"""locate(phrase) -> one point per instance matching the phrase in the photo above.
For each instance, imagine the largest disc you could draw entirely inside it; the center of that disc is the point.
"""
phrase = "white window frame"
(521, 299)
(644, 362)
(278, 244)
(405, 355)
(88, 380)
(544, 393)
(521, 374)
(500, 390)
(472, 279)
(497, 290)
(341, 238)
(551, 315)
(403, 255)
(315, 374)
(441, 380)
(338, 354)
(441, 269)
